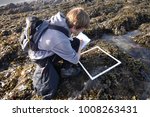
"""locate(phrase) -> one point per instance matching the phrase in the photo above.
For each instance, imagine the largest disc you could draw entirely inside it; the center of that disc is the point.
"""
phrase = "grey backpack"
(34, 30)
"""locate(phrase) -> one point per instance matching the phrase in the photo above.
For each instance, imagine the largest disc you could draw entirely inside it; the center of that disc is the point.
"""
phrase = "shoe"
(70, 72)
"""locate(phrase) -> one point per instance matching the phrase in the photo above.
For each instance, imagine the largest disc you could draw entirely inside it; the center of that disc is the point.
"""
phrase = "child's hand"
(81, 43)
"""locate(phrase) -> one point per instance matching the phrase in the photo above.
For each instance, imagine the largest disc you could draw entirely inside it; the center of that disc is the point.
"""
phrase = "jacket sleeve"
(65, 51)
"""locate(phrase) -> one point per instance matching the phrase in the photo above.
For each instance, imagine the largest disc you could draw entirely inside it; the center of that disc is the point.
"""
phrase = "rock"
(25, 8)
(10, 6)
(18, 30)
(6, 33)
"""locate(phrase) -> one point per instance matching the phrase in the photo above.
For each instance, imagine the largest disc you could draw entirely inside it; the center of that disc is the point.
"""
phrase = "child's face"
(75, 31)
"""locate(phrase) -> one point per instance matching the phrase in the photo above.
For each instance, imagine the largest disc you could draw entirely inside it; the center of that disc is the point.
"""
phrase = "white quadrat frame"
(103, 72)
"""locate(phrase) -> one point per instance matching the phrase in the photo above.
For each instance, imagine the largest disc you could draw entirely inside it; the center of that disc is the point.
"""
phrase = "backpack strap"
(42, 28)
(60, 28)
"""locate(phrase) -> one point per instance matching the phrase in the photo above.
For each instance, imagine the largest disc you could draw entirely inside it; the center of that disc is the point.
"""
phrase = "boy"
(53, 45)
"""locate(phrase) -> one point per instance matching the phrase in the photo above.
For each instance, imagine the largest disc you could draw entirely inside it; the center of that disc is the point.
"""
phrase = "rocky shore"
(129, 81)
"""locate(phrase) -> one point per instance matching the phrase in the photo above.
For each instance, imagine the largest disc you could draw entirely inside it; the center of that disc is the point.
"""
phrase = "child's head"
(78, 18)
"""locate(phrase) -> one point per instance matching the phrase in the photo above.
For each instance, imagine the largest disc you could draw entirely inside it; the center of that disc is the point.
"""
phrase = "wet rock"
(6, 33)
(144, 38)
(18, 30)
(128, 18)
(21, 9)
(25, 8)
(10, 6)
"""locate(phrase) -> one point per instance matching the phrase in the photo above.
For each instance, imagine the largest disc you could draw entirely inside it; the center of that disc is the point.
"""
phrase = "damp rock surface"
(130, 80)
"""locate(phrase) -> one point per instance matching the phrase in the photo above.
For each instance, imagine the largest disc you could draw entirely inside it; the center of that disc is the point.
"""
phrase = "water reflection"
(125, 43)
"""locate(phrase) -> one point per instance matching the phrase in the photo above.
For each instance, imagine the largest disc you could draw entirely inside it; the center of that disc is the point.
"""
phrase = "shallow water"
(125, 43)
(5, 2)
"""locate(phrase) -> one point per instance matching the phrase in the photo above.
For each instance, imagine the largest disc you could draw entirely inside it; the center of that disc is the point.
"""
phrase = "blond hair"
(78, 18)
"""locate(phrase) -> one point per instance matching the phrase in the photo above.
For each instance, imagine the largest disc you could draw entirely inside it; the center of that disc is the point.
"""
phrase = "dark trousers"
(46, 77)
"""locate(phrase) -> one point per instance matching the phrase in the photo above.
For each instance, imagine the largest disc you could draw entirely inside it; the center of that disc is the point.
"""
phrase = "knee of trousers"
(45, 82)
